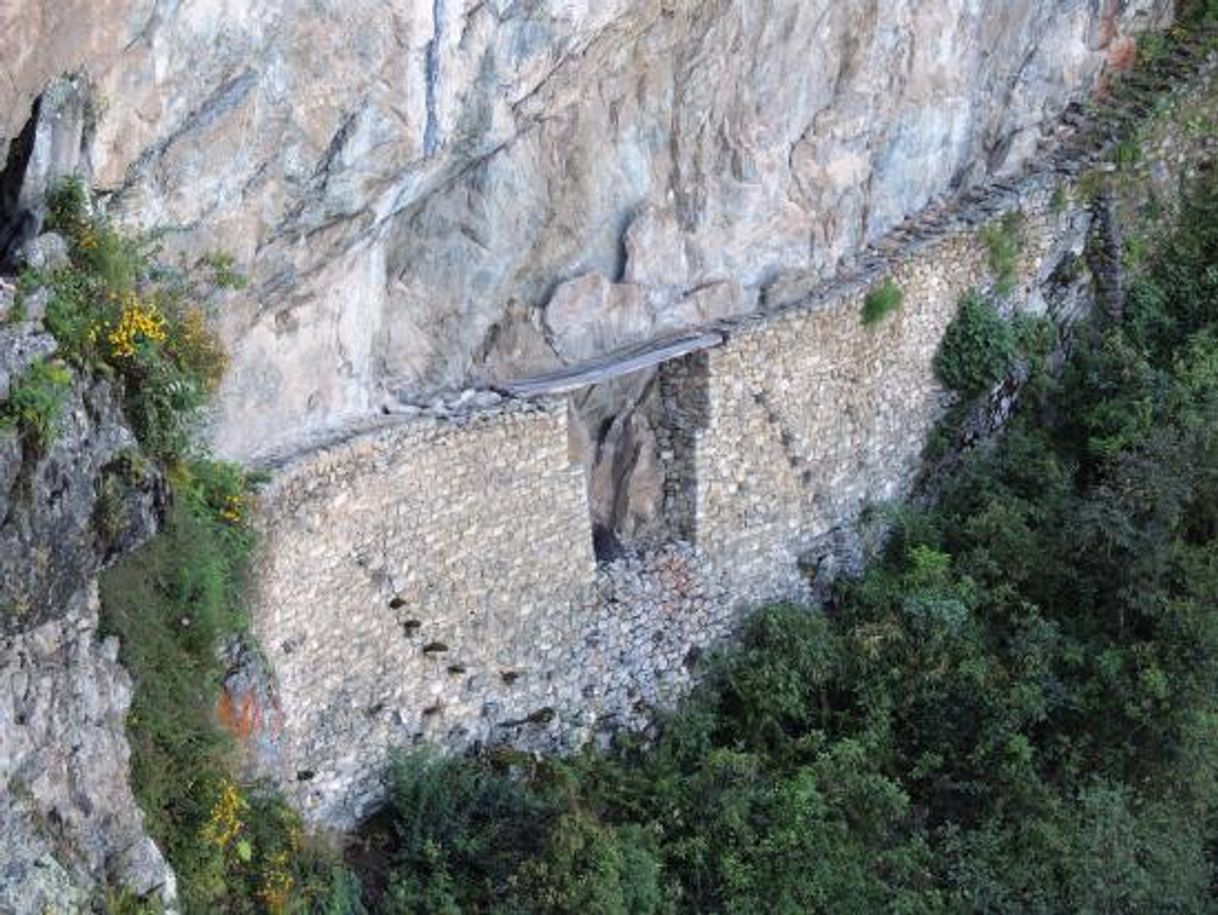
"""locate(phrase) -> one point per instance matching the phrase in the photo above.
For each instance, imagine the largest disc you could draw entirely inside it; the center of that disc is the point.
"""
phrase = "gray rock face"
(48, 251)
(69, 825)
(66, 511)
(408, 183)
(53, 144)
(21, 345)
(68, 821)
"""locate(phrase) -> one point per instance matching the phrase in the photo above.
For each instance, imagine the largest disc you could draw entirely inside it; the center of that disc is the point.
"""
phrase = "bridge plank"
(613, 365)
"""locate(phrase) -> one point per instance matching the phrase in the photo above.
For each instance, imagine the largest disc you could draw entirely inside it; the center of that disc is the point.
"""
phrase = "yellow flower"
(137, 321)
(277, 883)
(231, 512)
(225, 823)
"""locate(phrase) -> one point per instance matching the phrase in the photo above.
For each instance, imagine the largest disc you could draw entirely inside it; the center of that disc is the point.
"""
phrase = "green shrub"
(116, 311)
(68, 207)
(882, 301)
(222, 269)
(1035, 336)
(1004, 241)
(125, 901)
(1198, 12)
(978, 348)
(1152, 48)
(35, 402)
(1059, 201)
(1127, 153)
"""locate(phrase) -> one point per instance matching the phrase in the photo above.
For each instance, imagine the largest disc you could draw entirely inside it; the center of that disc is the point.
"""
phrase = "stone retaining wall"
(434, 581)
(401, 569)
(811, 415)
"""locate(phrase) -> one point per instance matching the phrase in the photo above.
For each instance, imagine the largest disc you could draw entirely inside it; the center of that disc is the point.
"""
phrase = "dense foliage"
(35, 402)
(235, 848)
(115, 310)
(1015, 710)
(978, 348)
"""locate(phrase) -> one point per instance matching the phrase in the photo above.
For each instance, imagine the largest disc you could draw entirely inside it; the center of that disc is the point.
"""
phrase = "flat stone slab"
(623, 362)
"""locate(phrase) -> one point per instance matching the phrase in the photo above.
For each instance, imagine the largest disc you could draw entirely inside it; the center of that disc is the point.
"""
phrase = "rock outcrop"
(69, 825)
(409, 183)
(68, 509)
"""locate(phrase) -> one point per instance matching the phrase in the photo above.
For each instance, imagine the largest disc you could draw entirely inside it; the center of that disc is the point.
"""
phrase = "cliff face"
(69, 824)
(411, 184)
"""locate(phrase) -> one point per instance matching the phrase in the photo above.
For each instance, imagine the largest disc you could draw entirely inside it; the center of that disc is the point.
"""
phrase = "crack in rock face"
(52, 144)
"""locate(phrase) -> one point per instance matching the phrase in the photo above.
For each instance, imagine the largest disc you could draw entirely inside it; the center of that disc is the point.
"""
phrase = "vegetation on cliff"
(117, 312)
(1013, 711)
(234, 847)
(34, 403)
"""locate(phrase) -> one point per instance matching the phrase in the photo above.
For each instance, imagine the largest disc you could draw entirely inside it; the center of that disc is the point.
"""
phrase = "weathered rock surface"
(53, 143)
(21, 345)
(67, 510)
(69, 825)
(409, 182)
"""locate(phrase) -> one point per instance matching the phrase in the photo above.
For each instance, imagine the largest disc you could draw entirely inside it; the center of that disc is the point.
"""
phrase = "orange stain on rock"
(241, 718)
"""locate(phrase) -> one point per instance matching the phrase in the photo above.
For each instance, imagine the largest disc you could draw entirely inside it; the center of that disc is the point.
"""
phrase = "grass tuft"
(882, 301)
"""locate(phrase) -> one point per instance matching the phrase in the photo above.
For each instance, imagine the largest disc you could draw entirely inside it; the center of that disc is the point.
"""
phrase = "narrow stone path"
(613, 365)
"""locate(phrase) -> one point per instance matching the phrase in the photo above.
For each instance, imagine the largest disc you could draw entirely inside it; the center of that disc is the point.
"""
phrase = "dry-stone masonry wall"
(399, 567)
(811, 415)
(433, 580)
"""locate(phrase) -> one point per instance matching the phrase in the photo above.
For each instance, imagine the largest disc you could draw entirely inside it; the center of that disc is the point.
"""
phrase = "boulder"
(48, 252)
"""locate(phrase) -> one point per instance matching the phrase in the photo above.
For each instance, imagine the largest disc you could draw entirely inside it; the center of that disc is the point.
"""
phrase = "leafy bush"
(1059, 201)
(882, 301)
(1036, 337)
(35, 402)
(1128, 152)
(479, 835)
(1198, 12)
(978, 348)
